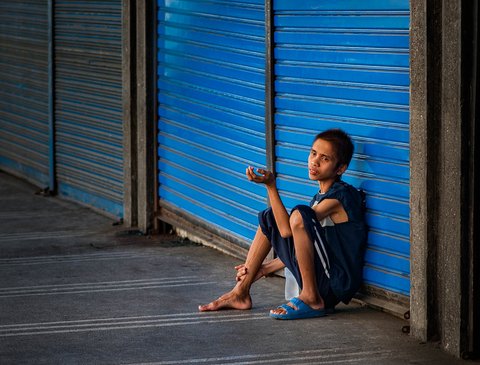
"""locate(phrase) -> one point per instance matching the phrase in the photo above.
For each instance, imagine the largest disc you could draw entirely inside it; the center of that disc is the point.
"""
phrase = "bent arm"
(279, 211)
(331, 208)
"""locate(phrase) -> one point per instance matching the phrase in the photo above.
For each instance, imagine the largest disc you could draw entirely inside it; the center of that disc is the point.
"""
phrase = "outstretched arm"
(279, 212)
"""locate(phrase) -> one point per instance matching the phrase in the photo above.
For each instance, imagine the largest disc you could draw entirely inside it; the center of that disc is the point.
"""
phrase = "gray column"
(418, 170)
(129, 118)
(145, 77)
(441, 148)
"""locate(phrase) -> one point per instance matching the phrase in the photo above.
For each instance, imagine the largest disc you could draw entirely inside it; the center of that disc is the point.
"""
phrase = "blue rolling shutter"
(211, 110)
(345, 64)
(88, 109)
(24, 132)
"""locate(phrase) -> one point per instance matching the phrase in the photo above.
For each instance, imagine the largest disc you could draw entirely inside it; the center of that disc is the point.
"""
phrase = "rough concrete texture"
(419, 202)
(76, 290)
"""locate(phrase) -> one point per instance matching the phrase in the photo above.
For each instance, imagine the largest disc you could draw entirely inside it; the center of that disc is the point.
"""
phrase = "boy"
(321, 244)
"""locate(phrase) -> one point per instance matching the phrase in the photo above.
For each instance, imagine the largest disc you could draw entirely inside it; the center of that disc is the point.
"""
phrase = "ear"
(341, 169)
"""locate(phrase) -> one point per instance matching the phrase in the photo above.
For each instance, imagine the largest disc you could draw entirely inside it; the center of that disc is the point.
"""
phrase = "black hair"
(341, 142)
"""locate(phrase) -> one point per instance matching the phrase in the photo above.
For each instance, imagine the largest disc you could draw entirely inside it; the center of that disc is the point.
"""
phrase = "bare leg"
(239, 296)
(305, 257)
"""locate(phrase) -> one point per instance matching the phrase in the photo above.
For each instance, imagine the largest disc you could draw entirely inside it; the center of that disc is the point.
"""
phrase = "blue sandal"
(303, 311)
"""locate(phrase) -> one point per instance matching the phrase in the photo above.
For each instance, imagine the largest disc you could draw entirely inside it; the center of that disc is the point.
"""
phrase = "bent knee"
(300, 213)
(296, 220)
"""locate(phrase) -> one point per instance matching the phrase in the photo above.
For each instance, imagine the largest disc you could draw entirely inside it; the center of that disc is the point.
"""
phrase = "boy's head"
(341, 143)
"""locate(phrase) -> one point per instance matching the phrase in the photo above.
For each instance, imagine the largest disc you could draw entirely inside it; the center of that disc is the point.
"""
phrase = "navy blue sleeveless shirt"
(346, 241)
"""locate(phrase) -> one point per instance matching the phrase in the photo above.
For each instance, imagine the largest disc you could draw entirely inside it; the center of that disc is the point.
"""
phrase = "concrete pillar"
(419, 208)
(440, 172)
(138, 112)
(450, 219)
(129, 114)
(145, 79)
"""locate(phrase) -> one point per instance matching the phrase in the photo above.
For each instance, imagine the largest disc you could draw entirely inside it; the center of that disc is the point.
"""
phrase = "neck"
(325, 185)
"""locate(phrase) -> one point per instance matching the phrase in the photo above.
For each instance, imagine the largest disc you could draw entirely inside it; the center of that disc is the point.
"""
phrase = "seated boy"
(322, 244)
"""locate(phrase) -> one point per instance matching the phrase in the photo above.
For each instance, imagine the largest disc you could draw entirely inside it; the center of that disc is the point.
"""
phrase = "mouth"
(312, 172)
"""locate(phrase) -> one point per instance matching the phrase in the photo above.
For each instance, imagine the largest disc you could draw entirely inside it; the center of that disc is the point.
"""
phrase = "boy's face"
(322, 162)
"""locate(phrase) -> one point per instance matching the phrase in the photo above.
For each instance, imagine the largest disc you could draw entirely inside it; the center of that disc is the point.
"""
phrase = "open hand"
(264, 176)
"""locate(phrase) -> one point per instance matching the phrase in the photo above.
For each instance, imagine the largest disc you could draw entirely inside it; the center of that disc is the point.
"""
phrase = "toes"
(207, 307)
(278, 311)
(213, 306)
(203, 308)
(227, 302)
(282, 309)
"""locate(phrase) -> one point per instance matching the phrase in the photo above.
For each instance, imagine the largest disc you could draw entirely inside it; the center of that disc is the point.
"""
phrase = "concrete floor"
(75, 289)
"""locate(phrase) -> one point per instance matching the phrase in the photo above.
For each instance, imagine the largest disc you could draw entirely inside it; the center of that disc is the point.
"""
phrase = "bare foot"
(230, 300)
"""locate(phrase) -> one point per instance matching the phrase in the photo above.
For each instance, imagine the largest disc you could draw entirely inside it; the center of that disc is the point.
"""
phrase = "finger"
(252, 176)
(242, 271)
(240, 276)
(264, 172)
